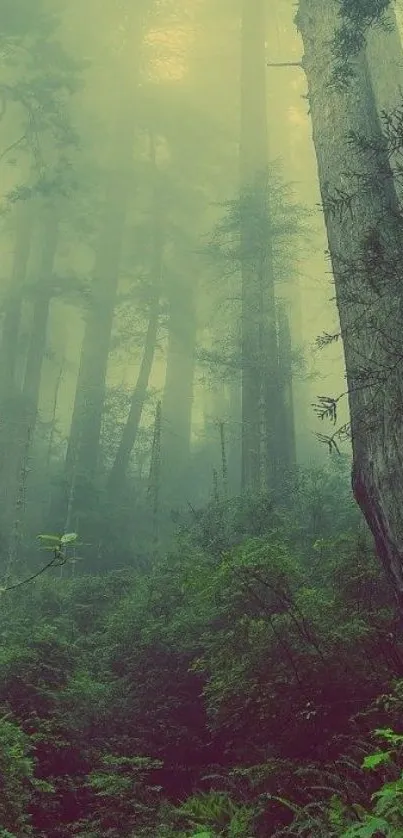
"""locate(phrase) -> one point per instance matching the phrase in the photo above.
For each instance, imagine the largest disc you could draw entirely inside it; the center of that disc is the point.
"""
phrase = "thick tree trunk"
(365, 243)
(385, 63)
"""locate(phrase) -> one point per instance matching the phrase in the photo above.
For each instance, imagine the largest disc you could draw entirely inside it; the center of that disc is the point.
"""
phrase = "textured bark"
(385, 62)
(365, 246)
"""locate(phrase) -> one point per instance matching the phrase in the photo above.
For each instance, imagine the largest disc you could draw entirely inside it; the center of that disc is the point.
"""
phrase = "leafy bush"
(16, 779)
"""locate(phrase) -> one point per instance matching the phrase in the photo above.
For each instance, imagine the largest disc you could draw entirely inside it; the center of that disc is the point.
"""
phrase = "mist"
(119, 175)
(201, 527)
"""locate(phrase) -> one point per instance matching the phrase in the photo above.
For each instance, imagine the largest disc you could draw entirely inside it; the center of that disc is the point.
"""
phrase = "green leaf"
(368, 829)
(55, 539)
(373, 760)
(390, 736)
(68, 538)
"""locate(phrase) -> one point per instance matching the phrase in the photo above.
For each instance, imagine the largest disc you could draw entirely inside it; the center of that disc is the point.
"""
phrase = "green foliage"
(217, 811)
(234, 666)
(16, 779)
(124, 794)
(356, 17)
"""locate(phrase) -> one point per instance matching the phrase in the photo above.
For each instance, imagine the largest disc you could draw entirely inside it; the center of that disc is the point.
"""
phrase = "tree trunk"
(86, 423)
(259, 343)
(90, 392)
(287, 443)
(25, 413)
(118, 471)
(13, 305)
(385, 62)
(177, 402)
(387, 75)
(365, 245)
(43, 292)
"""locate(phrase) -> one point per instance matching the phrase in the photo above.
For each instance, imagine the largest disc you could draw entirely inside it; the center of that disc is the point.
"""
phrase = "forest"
(201, 433)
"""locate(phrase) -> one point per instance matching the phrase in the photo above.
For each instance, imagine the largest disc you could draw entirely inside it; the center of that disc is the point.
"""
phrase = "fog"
(120, 167)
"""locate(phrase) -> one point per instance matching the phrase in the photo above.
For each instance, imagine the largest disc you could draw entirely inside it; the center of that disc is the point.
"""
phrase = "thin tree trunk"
(154, 480)
(130, 431)
(13, 306)
(131, 428)
(365, 245)
(43, 292)
(52, 432)
(25, 414)
(177, 403)
(235, 436)
(288, 454)
(253, 162)
(259, 345)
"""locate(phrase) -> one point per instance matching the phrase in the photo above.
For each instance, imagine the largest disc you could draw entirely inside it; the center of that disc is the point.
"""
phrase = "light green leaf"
(368, 829)
(373, 760)
(68, 538)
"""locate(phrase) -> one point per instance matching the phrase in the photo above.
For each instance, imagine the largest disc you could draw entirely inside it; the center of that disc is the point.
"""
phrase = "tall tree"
(286, 435)
(116, 479)
(42, 292)
(177, 402)
(90, 392)
(364, 231)
(260, 394)
(24, 217)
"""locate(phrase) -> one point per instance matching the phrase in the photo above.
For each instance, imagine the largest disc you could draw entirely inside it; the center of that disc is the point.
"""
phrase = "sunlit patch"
(295, 116)
(170, 50)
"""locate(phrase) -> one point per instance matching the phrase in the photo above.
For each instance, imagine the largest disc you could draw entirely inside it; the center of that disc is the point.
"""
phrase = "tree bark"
(385, 63)
(365, 244)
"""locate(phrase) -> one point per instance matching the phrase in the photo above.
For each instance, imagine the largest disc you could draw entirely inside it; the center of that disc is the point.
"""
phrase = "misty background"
(129, 132)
